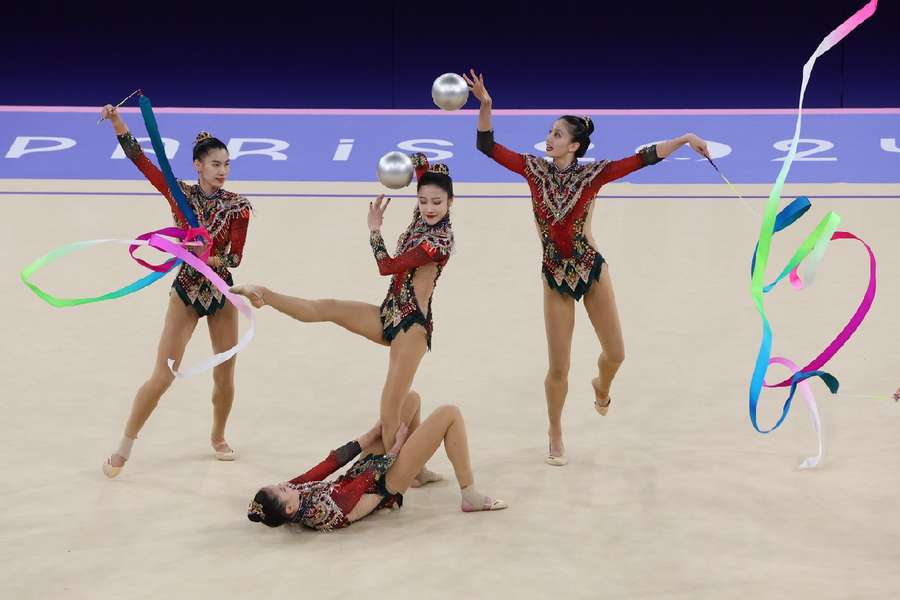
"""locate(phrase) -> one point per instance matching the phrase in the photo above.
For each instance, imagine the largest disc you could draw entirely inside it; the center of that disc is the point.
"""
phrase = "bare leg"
(223, 333)
(357, 317)
(409, 414)
(413, 421)
(559, 321)
(179, 326)
(600, 303)
(407, 350)
(445, 425)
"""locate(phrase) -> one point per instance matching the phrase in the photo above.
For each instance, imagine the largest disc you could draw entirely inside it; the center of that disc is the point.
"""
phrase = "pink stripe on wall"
(468, 112)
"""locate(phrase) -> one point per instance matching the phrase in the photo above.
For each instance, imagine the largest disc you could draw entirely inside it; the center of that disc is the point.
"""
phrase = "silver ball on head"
(450, 91)
(395, 170)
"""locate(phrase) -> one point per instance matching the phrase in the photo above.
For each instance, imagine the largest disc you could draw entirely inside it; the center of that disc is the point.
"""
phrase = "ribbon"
(164, 166)
(805, 389)
(159, 240)
(813, 249)
(161, 243)
(58, 253)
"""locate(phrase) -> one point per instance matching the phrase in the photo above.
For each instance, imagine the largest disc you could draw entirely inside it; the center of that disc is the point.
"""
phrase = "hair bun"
(588, 124)
(440, 168)
(202, 137)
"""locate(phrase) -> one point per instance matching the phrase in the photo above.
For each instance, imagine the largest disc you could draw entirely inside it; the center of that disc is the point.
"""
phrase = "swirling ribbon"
(813, 249)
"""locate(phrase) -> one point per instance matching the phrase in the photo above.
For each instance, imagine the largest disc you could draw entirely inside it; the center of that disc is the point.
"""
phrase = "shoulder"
(592, 169)
(235, 201)
(536, 165)
(233, 198)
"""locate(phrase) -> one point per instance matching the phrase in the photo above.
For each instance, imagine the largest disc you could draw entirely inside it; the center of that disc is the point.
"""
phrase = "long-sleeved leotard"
(324, 505)
(561, 200)
(400, 308)
(224, 214)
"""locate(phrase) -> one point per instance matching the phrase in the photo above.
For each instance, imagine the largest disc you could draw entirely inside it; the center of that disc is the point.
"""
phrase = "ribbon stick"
(126, 99)
(812, 250)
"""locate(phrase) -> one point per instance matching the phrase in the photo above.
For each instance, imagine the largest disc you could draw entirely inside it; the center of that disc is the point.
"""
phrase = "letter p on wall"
(21, 145)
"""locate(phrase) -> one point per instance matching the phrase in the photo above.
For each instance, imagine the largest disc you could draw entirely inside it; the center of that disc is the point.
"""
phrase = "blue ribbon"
(153, 130)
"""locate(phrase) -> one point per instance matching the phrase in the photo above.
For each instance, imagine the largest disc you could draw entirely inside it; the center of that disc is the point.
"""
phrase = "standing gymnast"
(225, 215)
(404, 320)
(562, 197)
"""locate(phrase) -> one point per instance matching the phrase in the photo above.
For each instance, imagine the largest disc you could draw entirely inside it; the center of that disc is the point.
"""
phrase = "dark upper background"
(385, 54)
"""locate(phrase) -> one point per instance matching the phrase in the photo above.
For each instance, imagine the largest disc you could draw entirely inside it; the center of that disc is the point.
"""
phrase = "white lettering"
(436, 155)
(343, 150)
(19, 147)
(235, 146)
(889, 145)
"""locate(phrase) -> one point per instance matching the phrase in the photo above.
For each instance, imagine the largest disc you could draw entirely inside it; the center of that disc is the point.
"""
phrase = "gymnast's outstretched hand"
(697, 144)
(256, 294)
(476, 85)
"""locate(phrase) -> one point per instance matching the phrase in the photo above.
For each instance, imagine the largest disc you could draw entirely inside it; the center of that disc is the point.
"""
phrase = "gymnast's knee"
(160, 381)
(450, 411)
(223, 377)
(413, 400)
(615, 357)
(557, 373)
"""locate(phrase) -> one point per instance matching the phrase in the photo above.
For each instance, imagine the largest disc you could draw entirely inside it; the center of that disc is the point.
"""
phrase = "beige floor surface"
(673, 495)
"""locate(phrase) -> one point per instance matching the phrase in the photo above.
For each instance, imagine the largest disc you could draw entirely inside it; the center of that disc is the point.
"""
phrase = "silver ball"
(449, 91)
(395, 170)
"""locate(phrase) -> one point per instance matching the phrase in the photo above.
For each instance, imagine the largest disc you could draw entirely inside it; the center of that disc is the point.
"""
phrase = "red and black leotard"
(324, 505)
(419, 245)
(561, 200)
(225, 216)
(400, 308)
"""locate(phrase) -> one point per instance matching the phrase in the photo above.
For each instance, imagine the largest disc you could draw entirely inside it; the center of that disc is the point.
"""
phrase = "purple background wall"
(548, 54)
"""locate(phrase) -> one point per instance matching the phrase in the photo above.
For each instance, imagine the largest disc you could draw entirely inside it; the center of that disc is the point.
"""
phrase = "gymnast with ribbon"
(220, 218)
(404, 320)
(563, 192)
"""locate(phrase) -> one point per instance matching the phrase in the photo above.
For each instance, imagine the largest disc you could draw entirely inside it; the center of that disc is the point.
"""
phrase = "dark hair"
(205, 143)
(581, 129)
(267, 509)
(439, 178)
